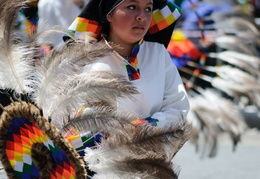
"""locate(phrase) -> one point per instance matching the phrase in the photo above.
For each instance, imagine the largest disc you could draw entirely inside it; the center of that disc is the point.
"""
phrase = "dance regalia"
(32, 147)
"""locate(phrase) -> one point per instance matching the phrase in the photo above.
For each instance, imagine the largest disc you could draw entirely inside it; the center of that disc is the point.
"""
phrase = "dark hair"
(105, 27)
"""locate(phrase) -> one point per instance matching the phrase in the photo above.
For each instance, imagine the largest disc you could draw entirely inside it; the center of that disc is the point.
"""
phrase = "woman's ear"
(109, 17)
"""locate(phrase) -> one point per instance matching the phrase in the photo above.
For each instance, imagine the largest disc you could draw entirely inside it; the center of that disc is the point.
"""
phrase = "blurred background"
(216, 47)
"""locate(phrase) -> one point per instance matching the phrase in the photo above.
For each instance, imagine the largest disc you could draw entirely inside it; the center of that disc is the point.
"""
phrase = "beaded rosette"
(31, 147)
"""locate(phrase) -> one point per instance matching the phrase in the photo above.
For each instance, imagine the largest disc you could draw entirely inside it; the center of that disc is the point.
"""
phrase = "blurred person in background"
(57, 13)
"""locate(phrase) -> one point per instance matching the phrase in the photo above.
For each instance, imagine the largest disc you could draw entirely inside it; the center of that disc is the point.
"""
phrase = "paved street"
(244, 163)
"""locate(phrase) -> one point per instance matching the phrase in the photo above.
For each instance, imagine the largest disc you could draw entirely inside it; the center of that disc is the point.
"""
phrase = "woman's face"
(130, 21)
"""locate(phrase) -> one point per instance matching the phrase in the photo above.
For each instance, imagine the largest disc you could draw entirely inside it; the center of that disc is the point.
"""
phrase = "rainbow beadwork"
(21, 135)
(164, 17)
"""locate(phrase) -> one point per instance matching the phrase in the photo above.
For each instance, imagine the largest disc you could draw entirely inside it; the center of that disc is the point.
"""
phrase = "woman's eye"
(148, 9)
(132, 7)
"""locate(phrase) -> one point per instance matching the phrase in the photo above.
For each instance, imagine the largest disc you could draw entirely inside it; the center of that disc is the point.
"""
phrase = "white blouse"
(162, 93)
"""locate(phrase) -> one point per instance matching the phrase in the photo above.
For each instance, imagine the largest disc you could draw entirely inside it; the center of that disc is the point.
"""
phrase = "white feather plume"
(62, 77)
(17, 69)
(212, 115)
(248, 63)
(16, 60)
(235, 44)
(145, 151)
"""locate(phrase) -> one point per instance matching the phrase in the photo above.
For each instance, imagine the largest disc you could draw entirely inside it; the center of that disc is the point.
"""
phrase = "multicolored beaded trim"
(131, 63)
(81, 24)
(149, 119)
(21, 136)
(164, 17)
(161, 19)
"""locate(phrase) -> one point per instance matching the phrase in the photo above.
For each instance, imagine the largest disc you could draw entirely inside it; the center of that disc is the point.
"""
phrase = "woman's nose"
(141, 16)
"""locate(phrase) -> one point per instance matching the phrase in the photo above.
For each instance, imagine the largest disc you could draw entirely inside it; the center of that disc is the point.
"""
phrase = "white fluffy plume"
(212, 115)
(138, 152)
(16, 59)
(63, 78)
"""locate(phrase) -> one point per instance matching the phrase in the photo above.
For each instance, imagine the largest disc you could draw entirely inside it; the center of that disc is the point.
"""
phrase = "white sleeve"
(175, 105)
